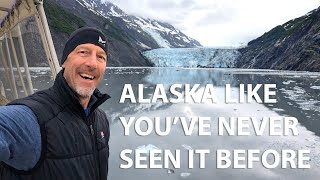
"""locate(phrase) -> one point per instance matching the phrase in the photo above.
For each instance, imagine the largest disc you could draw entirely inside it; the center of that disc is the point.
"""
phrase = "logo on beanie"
(102, 42)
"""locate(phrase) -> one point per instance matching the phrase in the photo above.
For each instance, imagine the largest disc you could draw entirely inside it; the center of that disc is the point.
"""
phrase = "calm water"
(297, 95)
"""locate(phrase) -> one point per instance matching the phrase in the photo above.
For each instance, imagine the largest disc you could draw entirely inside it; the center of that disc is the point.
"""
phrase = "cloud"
(165, 5)
(187, 3)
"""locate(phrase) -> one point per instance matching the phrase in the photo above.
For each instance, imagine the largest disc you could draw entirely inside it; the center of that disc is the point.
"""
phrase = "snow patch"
(144, 46)
(152, 31)
(114, 13)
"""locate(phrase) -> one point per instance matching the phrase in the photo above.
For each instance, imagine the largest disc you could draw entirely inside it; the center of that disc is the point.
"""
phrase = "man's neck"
(84, 102)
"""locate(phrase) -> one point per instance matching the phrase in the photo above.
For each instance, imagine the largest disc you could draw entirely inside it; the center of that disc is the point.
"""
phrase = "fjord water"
(297, 95)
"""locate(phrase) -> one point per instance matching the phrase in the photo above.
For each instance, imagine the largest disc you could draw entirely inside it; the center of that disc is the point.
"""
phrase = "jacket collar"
(67, 96)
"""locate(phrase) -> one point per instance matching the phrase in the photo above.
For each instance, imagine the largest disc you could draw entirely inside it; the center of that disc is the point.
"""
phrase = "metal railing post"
(5, 65)
(46, 30)
(15, 92)
(24, 58)
(17, 64)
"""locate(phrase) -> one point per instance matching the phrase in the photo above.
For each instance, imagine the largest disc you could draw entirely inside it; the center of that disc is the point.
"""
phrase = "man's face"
(84, 69)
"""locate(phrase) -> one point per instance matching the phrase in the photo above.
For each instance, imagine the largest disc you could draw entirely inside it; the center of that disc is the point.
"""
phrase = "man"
(60, 133)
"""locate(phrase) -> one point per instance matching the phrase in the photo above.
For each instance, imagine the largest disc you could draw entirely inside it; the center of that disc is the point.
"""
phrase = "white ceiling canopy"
(14, 11)
(5, 8)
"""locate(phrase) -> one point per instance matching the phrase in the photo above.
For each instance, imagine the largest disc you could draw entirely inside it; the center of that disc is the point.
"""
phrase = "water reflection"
(294, 95)
(297, 95)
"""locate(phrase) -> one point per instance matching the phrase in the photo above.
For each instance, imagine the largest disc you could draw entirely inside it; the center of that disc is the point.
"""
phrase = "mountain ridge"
(294, 45)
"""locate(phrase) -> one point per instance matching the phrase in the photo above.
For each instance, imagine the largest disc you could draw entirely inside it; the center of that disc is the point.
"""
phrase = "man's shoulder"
(35, 98)
(41, 103)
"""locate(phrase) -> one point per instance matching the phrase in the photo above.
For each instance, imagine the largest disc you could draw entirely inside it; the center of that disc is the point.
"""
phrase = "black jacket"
(74, 146)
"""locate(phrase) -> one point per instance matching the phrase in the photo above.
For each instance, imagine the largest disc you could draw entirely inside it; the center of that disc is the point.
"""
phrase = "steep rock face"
(128, 35)
(294, 45)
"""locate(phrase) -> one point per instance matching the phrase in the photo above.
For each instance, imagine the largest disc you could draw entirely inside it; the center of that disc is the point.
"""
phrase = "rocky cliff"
(294, 45)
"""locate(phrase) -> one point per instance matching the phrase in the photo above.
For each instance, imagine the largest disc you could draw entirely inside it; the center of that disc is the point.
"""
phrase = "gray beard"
(85, 92)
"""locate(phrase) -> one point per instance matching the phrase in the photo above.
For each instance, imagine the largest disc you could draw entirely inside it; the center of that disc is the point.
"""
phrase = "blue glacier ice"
(193, 57)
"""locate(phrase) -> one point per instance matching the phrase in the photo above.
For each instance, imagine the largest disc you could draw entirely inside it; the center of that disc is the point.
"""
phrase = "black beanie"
(83, 36)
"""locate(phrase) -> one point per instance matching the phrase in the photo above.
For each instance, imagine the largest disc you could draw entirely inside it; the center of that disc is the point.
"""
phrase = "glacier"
(193, 57)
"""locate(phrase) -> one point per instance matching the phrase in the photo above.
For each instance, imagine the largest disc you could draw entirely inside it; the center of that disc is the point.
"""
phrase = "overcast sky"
(220, 22)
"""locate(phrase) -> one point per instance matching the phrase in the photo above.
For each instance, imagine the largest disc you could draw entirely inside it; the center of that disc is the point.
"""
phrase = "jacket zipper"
(94, 147)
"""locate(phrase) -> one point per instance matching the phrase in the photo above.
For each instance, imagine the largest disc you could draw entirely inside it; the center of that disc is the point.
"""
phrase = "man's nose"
(91, 61)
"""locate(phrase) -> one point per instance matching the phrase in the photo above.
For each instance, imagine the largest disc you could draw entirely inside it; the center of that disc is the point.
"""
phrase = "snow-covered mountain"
(146, 33)
(193, 57)
(127, 35)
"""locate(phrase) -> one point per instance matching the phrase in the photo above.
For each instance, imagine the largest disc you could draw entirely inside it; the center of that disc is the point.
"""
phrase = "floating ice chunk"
(170, 171)
(299, 90)
(315, 87)
(148, 148)
(186, 147)
(184, 175)
(277, 109)
(42, 72)
(287, 82)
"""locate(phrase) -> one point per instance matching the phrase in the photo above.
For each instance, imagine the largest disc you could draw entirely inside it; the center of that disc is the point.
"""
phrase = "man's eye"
(101, 58)
(83, 52)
